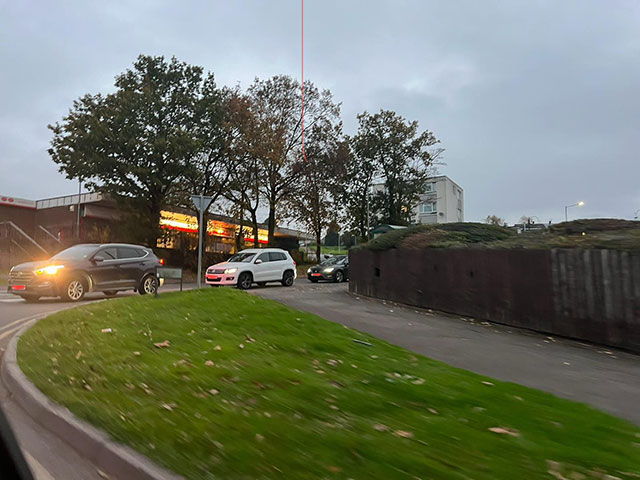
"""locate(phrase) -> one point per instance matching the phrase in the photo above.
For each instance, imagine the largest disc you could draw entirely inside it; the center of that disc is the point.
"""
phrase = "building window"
(428, 207)
(430, 187)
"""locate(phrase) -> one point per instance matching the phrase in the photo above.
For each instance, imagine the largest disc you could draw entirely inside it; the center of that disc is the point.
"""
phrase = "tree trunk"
(318, 244)
(271, 222)
(254, 222)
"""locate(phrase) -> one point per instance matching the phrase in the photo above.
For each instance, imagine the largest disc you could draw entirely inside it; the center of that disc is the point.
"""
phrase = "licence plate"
(18, 287)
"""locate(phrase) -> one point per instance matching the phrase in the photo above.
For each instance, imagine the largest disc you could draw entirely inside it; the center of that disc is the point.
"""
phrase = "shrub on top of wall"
(439, 236)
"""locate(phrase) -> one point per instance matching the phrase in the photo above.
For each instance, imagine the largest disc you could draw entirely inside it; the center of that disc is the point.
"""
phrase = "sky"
(537, 103)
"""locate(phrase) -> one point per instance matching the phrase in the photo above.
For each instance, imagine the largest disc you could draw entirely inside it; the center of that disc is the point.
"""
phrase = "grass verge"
(221, 384)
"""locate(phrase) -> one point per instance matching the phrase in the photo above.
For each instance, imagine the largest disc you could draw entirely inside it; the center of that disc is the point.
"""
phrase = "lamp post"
(566, 208)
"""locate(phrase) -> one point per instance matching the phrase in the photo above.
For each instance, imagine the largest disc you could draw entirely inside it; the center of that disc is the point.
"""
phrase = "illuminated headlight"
(328, 270)
(231, 270)
(308, 270)
(50, 270)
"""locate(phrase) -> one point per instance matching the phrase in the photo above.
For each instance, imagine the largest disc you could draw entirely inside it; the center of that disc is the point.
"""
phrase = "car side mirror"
(258, 262)
(97, 259)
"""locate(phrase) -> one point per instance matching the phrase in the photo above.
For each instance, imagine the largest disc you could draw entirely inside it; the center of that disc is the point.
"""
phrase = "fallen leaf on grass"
(433, 410)
(209, 363)
(218, 347)
(213, 391)
(137, 354)
(78, 355)
(169, 406)
(403, 434)
(165, 344)
(259, 437)
(334, 469)
(419, 381)
(249, 339)
(487, 383)
(380, 427)
(106, 330)
(241, 345)
(504, 431)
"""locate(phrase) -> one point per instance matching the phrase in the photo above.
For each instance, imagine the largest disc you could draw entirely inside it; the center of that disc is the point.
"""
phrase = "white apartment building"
(442, 202)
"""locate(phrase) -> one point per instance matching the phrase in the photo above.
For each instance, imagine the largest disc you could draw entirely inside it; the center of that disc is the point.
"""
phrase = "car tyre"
(244, 281)
(338, 277)
(287, 278)
(110, 293)
(74, 289)
(148, 285)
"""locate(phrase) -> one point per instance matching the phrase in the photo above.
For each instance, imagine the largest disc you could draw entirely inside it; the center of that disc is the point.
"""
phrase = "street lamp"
(579, 204)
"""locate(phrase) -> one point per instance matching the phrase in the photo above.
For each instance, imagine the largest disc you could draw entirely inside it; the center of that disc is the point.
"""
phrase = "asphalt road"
(603, 377)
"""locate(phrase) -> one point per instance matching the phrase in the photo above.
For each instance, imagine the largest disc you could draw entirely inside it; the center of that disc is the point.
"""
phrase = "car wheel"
(74, 289)
(30, 298)
(262, 284)
(149, 285)
(338, 277)
(244, 281)
(111, 293)
(287, 278)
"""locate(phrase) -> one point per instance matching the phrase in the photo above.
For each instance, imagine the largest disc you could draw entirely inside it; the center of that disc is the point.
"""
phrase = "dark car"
(334, 269)
(107, 268)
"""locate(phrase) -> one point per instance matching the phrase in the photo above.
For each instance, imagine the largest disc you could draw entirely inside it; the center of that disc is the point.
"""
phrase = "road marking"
(9, 332)
(20, 320)
(38, 471)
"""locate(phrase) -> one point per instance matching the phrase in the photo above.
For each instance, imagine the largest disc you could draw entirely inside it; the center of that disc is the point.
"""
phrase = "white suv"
(254, 266)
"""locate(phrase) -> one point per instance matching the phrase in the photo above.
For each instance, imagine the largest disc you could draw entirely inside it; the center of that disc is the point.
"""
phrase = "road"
(48, 456)
(603, 377)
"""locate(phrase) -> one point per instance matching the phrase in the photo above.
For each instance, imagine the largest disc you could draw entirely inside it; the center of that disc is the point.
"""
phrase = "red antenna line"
(302, 79)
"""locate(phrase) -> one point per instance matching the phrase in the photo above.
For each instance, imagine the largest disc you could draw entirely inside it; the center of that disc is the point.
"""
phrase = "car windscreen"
(333, 260)
(242, 257)
(79, 252)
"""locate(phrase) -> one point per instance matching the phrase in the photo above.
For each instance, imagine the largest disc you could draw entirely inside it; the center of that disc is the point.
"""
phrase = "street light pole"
(200, 242)
(566, 209)
(78, 208)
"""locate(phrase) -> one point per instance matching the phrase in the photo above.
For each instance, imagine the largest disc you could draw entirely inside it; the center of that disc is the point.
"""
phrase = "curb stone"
(113, 458)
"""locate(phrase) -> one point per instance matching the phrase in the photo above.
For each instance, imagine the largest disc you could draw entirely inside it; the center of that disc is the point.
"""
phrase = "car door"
(278, 265)
(132, 263)
(261, 270)
(104, 268)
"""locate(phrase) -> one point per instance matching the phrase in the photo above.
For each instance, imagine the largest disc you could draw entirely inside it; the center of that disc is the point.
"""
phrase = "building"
(35, 229)
(442, 202)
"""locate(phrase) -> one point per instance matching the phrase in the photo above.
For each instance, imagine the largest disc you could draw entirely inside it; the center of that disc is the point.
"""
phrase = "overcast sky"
(537, 103)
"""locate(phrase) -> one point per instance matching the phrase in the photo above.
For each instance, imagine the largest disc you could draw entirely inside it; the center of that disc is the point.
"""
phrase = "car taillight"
(162, 261)
(294, 263)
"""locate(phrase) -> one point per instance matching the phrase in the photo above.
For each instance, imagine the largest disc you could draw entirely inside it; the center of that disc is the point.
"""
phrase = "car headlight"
(308, 270)
(231, 270)
(328, 270)
(50, 270)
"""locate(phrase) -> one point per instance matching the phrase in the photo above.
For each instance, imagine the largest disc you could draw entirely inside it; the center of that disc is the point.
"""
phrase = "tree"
(401, 156)
(320, 175)
(276, 106)
(494, 220)
(137, 142)
(355, 193)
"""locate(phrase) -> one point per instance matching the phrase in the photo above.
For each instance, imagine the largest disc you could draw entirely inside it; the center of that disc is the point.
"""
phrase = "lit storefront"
(222, 233)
